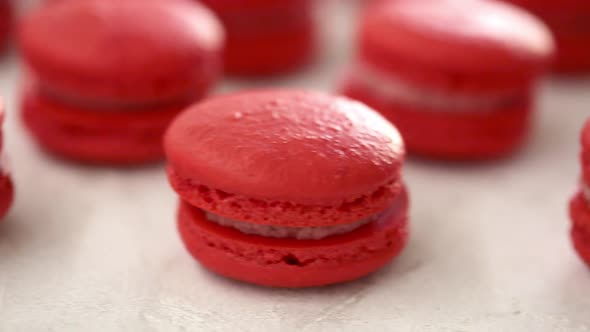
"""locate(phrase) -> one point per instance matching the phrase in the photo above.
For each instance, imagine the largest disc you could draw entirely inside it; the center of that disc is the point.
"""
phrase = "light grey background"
(95, 249)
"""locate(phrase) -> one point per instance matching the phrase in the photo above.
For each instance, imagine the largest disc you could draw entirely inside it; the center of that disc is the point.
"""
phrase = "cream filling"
(393, 88)
(299, 233)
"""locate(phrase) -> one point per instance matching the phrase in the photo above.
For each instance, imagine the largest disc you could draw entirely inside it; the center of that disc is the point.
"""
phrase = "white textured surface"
(94, 249)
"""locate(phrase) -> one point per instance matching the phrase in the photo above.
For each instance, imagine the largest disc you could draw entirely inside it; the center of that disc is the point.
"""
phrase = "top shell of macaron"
(298, 146)
(472, 37)
(140, 50)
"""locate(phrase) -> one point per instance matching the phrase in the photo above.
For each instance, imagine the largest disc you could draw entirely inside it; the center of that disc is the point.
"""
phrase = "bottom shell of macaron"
(118, 137)
(450, 127)
(580, 231)
(292, 262)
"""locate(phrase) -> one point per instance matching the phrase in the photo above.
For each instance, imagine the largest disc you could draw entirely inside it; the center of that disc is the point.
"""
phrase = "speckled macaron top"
(282, 154)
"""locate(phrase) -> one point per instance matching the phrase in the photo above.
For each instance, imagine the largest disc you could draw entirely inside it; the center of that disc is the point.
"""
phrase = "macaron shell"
(300, 147)
(285, 213)
(125, 56)
(580, 232)
(120, 136)
(294, 263)
(456, 37)
(449, 134)
(6, 193)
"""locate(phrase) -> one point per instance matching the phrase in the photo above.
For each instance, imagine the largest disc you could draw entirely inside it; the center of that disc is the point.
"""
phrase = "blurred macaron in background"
(569, 21)
(458, 78)
(104, 81)
(267, 37)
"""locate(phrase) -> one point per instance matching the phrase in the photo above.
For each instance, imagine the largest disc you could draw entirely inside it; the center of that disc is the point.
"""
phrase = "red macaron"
(266, 37)
(6, 186)
(288, 188)
(456, 77)
(568, 20)
(580, 204)
(100, 67)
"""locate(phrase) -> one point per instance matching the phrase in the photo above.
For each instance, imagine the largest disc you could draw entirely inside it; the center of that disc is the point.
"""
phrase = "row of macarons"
(104, 82)
(273, 37)
(282, 187)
